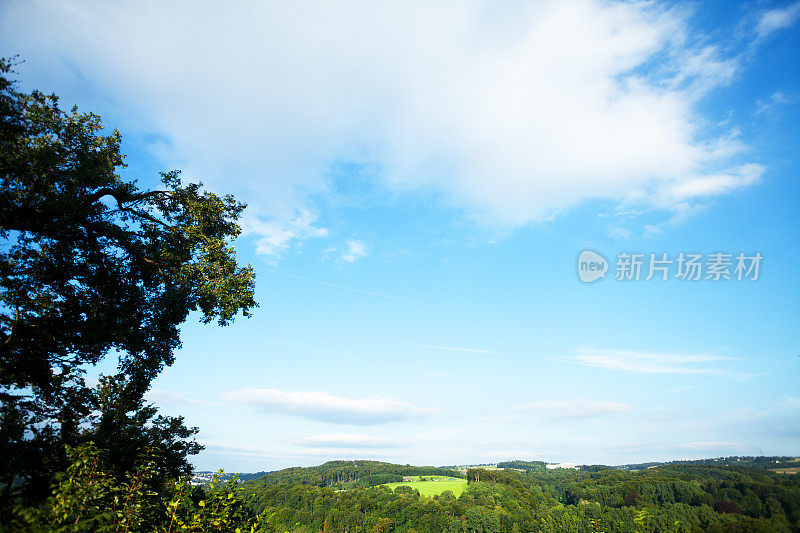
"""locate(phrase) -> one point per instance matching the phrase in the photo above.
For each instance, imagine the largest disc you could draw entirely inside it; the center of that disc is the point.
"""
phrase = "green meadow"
(436, 485)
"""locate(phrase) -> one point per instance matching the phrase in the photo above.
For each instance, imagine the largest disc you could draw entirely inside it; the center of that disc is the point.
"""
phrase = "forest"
(685, 497)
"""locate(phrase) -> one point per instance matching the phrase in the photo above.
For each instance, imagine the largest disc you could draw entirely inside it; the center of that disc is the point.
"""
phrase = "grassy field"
(432, 488)
(792, 470)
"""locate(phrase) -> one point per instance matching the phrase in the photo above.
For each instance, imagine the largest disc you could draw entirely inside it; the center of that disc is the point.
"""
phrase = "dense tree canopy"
(678, 498)
(90, 265)
(671, 498)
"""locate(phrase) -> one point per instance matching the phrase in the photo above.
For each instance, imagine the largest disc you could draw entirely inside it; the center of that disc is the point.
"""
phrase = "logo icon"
(591, 266)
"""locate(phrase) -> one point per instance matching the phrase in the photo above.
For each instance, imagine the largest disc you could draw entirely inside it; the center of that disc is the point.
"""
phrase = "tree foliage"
(343, 474)
(90, 265)
(677, 498)
(88, 497)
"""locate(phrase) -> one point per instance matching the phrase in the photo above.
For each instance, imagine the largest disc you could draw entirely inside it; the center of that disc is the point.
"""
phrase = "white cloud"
(778, 19)
(574, 408)
(346, 440)
(706, 69)
(327, 407)
(715, 184)
(651, 363)
(277, 236)
(355, 251)
(512, 111)
(775, 100)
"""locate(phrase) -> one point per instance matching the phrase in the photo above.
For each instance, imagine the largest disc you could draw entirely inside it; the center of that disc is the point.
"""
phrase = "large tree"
(91, 265)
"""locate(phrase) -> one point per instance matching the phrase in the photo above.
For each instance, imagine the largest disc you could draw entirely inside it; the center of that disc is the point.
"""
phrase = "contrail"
(452, 348)
(352, 289)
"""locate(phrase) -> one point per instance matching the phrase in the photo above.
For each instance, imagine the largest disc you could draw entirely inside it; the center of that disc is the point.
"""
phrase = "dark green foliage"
(761, 462)
(523, 465)
(373, 480)
(508, 477)
(91, 265)
(347, 473)
(676, 498)
(124, 425)
(89, 497)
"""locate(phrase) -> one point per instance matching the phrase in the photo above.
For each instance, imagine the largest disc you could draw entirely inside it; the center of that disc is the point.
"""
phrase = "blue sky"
(421, 179)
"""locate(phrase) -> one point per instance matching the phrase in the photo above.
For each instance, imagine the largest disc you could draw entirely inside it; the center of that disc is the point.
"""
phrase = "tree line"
(344, 474)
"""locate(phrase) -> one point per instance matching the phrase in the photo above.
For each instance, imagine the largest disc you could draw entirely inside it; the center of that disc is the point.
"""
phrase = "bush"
(87, 497)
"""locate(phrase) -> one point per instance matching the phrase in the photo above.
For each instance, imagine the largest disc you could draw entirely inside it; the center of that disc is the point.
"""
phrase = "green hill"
(338, 496)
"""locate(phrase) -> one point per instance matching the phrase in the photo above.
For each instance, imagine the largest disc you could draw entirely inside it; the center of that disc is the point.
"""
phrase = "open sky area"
(421, 178)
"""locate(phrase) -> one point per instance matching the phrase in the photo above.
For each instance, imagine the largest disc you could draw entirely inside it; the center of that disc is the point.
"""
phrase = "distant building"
(408, 478)
(562, 465)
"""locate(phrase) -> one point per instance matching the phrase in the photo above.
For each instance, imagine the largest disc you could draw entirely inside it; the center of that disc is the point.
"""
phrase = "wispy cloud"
(310, 454)
(777, 99)
(278, 235)
(715, 184)
(652, 363)
(171, 397)
(355, 251)
(708, 444)
(239, 451)
(573, 408)
(792, 402)
(451, 348)
(324, 407)
(778, 19)
(346, 440)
